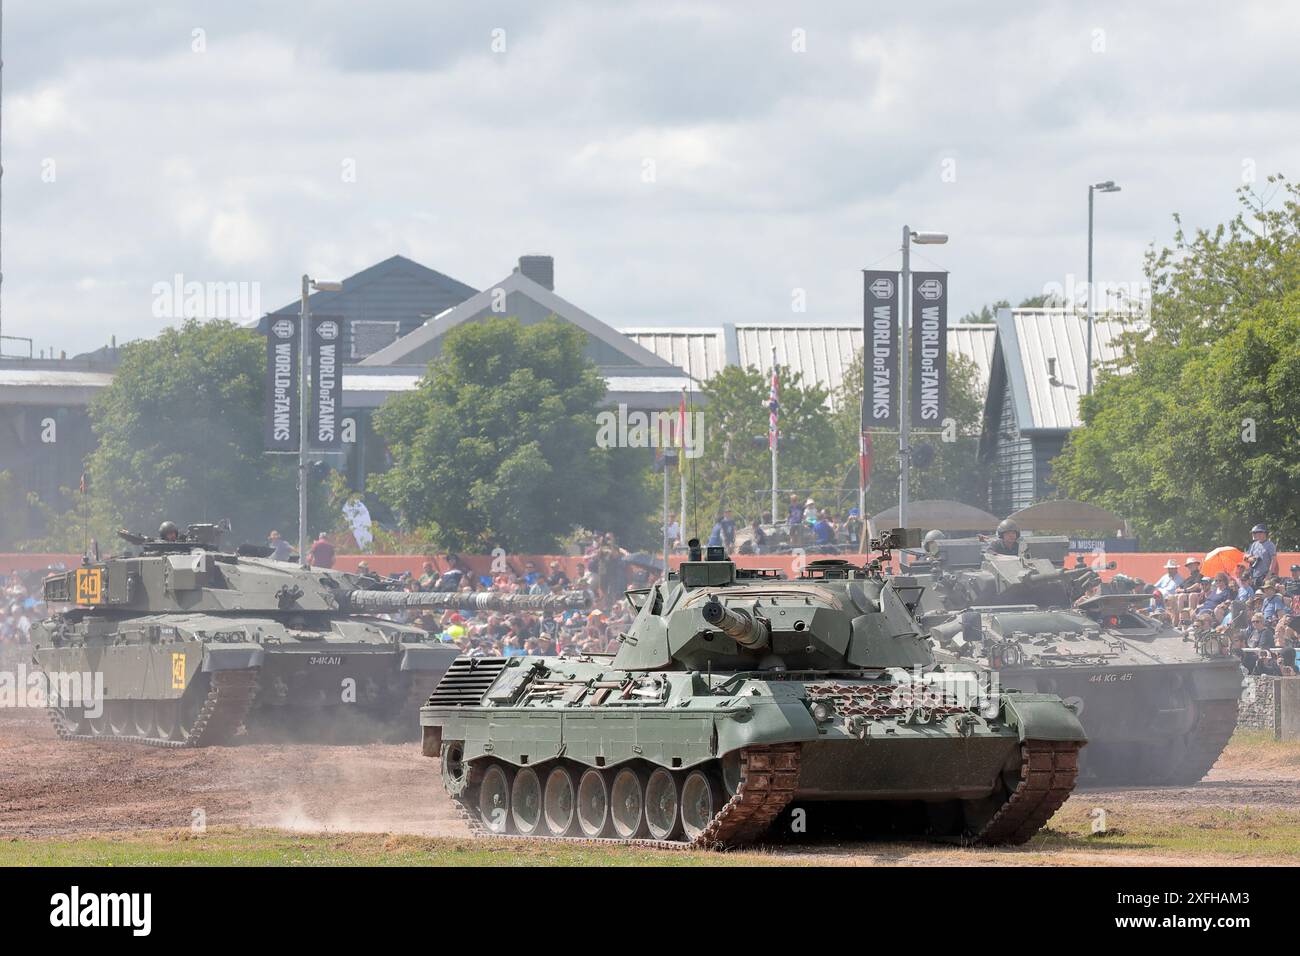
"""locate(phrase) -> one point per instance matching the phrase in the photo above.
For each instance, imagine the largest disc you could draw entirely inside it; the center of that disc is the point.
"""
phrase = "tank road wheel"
(593, 803)
(144, 720)
(560, 802)
(98, 726)
(526, 802)
(192, 701)
(494, 799)
(167, 713)
(455, 772)
(662, 805)
(627, 803)
(117, 714)
(701, 801)
(74, 720)
(731, 772)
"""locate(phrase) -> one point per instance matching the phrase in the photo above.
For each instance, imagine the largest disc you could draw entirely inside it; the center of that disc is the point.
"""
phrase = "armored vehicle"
(190, 640)
(1159, 707)
(735, 696)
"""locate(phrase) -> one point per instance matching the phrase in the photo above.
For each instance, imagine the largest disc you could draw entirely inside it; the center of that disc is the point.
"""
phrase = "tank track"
(770, 777)
(1215, 722)
(221, 715)
(1048, 769)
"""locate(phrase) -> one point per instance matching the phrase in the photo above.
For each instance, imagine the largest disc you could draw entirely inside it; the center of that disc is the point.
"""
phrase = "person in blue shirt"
(1218, 599)
(823, 530)
(1261, 555)
(795, 515)
(716, 535)
(1273, 605)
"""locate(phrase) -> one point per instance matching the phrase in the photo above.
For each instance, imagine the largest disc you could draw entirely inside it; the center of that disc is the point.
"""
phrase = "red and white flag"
(864, 458)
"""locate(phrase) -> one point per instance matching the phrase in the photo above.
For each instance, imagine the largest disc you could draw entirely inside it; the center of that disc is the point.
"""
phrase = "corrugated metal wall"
(1012, 486)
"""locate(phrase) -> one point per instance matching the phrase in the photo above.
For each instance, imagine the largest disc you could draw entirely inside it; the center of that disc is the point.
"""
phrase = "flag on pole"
(773, 407)
(83, 483)
(864, 458)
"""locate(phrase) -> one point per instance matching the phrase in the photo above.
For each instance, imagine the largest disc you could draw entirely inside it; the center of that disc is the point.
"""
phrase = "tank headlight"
(822, 712)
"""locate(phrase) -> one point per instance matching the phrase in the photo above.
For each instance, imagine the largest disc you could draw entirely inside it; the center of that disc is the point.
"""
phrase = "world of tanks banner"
(929, 347)
(880, 349)
(326, 342)
(282, 384)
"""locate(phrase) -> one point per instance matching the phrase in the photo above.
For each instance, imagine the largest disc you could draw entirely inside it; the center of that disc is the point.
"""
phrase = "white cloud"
(774, 168)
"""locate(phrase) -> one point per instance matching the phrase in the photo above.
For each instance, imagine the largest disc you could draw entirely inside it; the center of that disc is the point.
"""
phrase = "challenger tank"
(181, 643)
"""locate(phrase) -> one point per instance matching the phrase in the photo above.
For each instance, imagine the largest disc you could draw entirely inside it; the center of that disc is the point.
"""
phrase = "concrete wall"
(1286, 707)
(1255, 709)
(1273, 704)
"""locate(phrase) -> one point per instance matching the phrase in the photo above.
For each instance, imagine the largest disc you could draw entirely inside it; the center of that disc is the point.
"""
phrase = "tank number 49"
(1110, 678)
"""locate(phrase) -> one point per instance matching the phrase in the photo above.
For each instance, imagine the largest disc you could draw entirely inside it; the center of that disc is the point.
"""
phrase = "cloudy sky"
(685, 163)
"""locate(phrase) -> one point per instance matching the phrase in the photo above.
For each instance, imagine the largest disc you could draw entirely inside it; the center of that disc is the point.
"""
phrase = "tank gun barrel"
(363, 599)
(744, 628)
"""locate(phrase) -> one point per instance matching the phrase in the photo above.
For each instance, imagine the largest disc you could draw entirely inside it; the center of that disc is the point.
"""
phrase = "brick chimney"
(541, 269)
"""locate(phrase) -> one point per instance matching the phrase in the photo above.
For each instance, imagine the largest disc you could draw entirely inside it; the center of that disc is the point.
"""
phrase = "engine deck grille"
(466, 681)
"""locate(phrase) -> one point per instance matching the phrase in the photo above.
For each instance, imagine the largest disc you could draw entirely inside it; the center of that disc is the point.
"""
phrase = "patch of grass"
(1258, 748)
(1260, 834)
(243, 846)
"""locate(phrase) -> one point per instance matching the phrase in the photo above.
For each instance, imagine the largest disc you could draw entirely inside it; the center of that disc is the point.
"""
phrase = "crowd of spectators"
(804, 525)
(20, 605)
(604, 571)
(1252, 608)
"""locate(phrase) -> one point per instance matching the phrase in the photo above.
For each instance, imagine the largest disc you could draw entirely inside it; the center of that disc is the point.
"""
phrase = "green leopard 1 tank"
(180, 643)
(1159, 706)
(737, 697)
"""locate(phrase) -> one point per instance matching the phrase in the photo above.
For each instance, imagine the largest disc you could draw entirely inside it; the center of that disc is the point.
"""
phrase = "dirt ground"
(54, 789)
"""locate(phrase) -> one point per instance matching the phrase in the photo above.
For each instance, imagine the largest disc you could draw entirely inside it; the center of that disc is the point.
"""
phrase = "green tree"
(497, 445)
(735, 467)
(955, 473)
(179, 435)
(1192, 435)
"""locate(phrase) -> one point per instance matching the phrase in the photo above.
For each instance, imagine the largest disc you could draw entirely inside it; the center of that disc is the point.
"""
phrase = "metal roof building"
(819, 352)
(1037, 373)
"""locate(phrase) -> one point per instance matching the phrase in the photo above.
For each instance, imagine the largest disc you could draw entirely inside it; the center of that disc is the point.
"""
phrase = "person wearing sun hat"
(1167, 585)
(1188, 594)
(1261, 555)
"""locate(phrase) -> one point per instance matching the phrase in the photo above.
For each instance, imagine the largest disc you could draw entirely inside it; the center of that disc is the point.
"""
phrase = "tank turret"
(737, 694)
(192, 574)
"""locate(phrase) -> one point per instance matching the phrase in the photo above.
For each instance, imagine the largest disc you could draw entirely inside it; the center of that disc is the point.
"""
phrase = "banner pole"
(904, 395)
(302, 421)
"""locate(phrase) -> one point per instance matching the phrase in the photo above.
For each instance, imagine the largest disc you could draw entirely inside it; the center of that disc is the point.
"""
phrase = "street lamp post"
(1107, 187)
(308, 284)
(904, 397)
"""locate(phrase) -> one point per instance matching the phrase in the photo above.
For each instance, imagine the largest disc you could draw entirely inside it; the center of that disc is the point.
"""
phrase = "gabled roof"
(1044, 355)
(421, 344)
(397, 291)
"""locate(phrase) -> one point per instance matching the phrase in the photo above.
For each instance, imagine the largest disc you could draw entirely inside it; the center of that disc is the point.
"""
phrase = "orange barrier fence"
(1147, 565)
